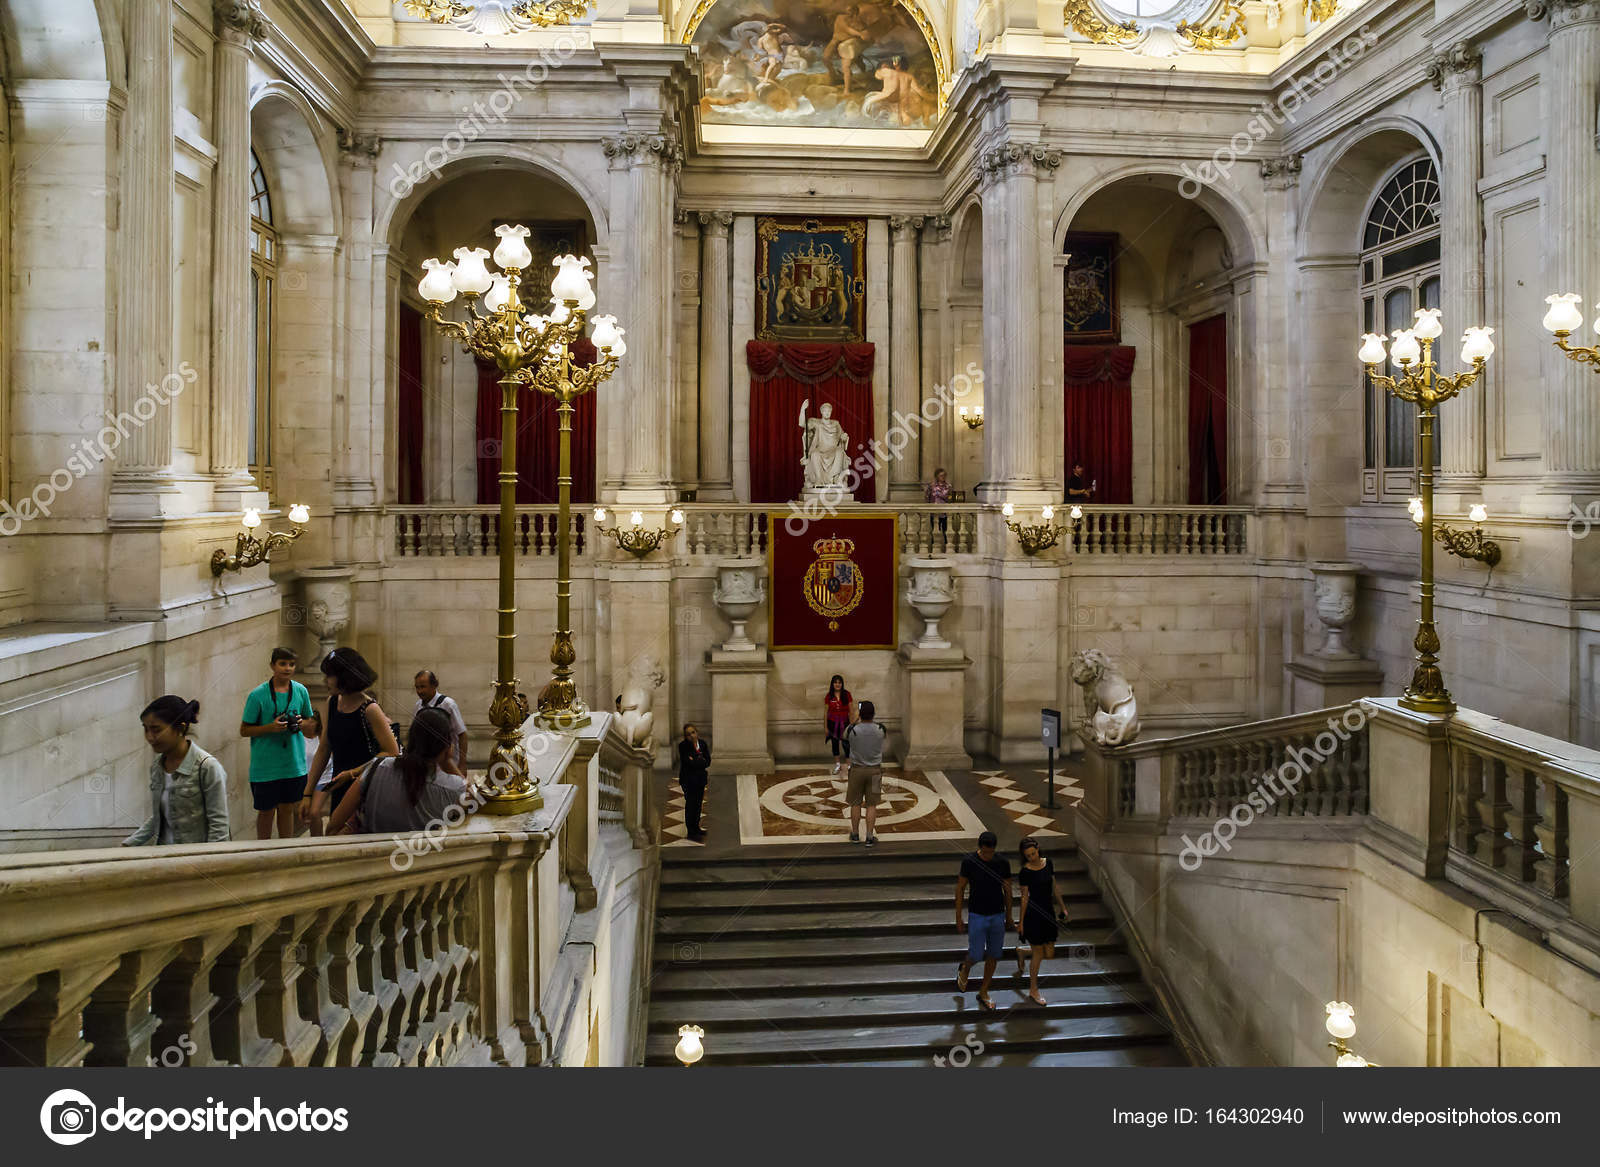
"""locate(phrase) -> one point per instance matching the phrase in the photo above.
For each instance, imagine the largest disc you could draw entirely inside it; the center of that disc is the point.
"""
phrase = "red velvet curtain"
(408, 406)
(1097, 384)
(538, 439)
(781, 377)
(1208, 412)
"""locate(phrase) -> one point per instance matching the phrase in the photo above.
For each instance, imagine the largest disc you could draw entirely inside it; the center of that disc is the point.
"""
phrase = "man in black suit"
(694, 756)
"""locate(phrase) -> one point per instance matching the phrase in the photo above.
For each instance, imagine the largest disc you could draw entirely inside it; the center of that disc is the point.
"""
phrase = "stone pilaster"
(1572, 223)
(238, 27)
(905, 380)
(142, 484)
(1458, 73)
(1281, 480)
(1009, 178)
(938, 444)
(644, 173)
(716, 358)
(371, 300)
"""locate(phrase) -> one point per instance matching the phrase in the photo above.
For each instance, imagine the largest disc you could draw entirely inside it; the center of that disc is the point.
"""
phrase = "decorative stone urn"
(1336, 605)
(740, 591)
(326, 612)
(930, 591)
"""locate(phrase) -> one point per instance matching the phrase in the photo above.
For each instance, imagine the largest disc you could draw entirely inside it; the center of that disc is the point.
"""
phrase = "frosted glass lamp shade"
(512, 252)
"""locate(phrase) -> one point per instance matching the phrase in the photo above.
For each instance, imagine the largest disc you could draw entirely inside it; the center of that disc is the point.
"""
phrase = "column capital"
(1563, 13)
(715, 222)
(905, 227)
(243, 18)
(356, 145)
(940, 228)
(1460, 64)
(1280, 173)
(1033, 159)
(624, 151)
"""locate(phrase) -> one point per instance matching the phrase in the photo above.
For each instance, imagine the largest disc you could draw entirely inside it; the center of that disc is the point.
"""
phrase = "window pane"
(1399, 426)
(250, 378)
(1369, 412)
(1411, 258)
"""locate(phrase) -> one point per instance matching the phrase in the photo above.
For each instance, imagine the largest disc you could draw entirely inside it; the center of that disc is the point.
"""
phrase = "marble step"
(787, 898)
(887, 922)
(1080, 942)
(727, 1012)
(1007, 1031)
(688, 867)
(671, 982)
(1116, 1057)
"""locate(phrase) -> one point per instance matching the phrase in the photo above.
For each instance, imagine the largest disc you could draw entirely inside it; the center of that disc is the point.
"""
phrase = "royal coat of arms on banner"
(832, 581)
(810, 279)
(1089, 300)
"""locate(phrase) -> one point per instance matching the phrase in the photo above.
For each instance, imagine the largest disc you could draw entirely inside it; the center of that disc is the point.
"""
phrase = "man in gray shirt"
(865, 783)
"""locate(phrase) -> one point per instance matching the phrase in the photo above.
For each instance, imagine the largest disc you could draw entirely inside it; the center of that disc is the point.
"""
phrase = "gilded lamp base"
(509, 790)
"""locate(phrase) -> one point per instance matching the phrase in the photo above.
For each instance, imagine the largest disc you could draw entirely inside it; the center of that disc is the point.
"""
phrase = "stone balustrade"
(438, 948)
(1187, 531)
(474, 532)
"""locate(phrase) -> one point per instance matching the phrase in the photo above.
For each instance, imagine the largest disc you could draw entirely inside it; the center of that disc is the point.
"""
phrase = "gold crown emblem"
(834, 548)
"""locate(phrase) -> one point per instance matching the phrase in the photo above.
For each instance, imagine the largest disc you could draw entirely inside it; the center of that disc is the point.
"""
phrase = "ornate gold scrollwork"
(1085, 21)
(1227, 29)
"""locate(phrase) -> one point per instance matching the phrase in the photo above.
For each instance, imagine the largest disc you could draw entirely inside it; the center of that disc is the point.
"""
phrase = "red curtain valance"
(1088, 364)
(781, 377)
(538, 439)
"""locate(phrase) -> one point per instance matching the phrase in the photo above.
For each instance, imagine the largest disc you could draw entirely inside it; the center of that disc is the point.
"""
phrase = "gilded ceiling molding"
(1217, 35)
(1320, 10)
(1085, 21)
(502, 18)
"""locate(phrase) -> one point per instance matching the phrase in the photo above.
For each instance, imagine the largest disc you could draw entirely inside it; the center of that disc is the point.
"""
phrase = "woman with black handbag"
(354, 733)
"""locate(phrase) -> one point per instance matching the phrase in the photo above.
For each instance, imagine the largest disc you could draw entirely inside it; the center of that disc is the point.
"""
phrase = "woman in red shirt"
(838, 718)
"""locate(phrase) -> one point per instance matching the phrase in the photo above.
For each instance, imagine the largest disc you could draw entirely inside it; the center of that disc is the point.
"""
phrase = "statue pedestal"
(935, 708)
(739, 711)
(1317, 683)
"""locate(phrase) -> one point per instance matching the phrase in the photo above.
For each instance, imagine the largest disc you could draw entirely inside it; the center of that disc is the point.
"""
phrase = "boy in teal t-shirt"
(277, 719)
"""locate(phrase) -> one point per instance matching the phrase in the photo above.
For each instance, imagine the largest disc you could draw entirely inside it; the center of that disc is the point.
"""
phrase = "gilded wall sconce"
(251, 552)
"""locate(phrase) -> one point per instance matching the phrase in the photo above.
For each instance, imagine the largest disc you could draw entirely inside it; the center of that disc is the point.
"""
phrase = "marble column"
(238, 27)
(370, 310)
(142, 483)
(938, 448)
(905, 357)
(1280, 482)
(644, 169)
(1458, 74)
(1572, 224)
(716, 358)
(1009, 177)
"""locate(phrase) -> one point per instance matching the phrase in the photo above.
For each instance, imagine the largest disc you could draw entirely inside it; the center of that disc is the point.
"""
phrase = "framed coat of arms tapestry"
(1089, 305)
(811, 279)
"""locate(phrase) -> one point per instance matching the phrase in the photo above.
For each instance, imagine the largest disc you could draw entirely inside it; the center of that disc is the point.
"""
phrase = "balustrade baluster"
(44, 1026)
(373, 939)
(313, 988)
(1491, 808)
(278, 1003)
(183, 1000)
(237, 1033)
(1469, 768)
(118, 1022)
(1551, 869)
(1522, 815)
(344, 1007)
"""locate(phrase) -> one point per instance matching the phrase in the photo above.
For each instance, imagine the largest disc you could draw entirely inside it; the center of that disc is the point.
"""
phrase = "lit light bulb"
(1563, 315)
(471, 275)
(1371, 349)
(689, 1049)
(499, 293)
(977, 412)
(1341, 1022)
(1415, 507)
(1428, 326)
(1351, 1062)
(1048, 513)
(1405, 350)
(599, 514)
(1075, 513)
(298, 514)
(1478, 513)
(252, 519)
(1008, 510)
(961, 412)
(513, 251)
(635, 519)
(1476, 345)
(438, 286)
(676, 516)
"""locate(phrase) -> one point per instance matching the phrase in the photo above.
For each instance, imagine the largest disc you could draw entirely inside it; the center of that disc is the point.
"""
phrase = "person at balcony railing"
(188, 787)
(939, 490)
(1042, 906)
(356, 731)
(409, 793)
(1080, 487)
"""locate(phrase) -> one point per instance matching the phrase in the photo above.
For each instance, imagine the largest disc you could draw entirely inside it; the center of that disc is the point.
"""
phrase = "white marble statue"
(827, 449)
(638, 693)
(1112, 713)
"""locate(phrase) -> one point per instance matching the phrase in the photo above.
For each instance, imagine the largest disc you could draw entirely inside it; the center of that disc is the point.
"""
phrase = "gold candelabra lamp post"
(1420, 383)
(248, 551)
(1037, 537)
(1564, 319)
(637, 539)
(533, 350)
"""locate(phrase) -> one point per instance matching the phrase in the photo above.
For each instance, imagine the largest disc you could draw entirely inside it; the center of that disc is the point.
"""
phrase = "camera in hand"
(293, 721)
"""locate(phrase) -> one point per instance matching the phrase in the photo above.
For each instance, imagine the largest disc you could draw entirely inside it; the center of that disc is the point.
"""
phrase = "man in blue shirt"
(277, 719)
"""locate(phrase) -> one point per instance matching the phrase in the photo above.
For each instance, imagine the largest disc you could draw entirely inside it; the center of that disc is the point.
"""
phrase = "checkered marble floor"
(1021, 808)
(674, 824)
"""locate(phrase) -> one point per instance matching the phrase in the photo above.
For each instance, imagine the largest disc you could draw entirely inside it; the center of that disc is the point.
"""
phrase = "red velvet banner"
(781, 377)
(831, 584)
(409, 486)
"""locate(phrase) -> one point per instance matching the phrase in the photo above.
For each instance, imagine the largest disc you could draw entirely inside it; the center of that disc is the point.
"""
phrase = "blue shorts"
(986, 936)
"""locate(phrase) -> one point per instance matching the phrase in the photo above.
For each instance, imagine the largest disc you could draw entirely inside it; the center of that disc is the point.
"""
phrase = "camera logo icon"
(68, 1117)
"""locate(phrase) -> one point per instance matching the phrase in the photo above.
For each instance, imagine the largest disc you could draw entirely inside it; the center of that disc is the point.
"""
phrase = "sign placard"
(1051, 728)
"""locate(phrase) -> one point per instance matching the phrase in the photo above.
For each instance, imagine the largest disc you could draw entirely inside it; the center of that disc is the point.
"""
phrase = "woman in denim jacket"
(188, 787)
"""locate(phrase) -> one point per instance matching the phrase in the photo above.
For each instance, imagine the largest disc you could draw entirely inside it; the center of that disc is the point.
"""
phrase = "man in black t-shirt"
(983, 911)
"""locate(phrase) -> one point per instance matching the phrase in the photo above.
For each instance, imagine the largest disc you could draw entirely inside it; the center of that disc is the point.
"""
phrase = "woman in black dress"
(1042, 905)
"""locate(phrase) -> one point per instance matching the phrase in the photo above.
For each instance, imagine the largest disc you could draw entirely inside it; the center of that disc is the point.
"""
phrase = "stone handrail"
(1524, 822)
(474, 531)
(1309, 764)
(1164, 530)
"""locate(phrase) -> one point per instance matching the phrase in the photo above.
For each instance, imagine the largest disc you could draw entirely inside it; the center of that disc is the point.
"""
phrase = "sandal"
(983, 1000)
(961, 977)
(1037, 999)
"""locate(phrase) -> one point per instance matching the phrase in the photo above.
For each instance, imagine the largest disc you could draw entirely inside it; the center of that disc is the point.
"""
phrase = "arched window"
(263, 287)
(1399, 274)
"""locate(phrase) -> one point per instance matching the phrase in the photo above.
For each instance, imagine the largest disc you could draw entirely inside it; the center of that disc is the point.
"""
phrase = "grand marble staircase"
(842, 956)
